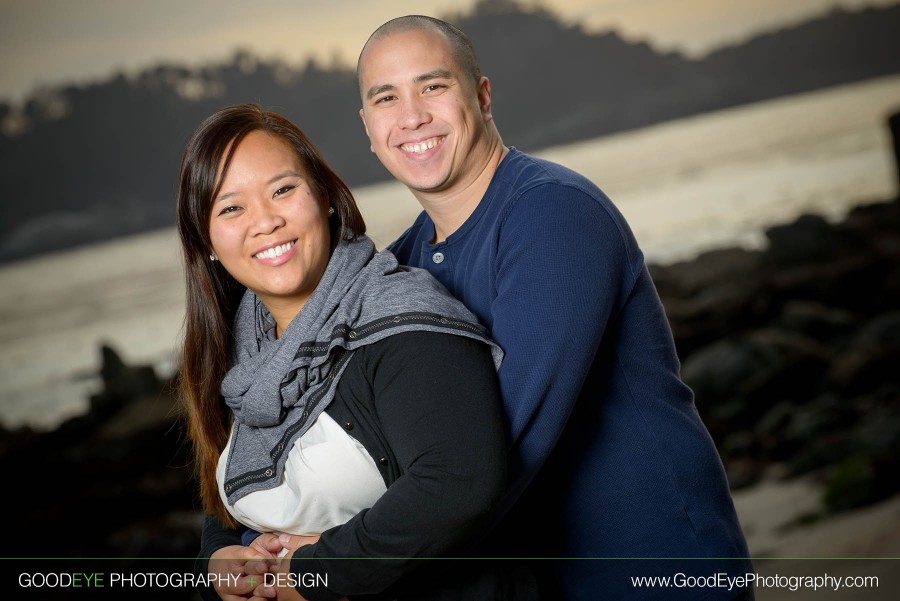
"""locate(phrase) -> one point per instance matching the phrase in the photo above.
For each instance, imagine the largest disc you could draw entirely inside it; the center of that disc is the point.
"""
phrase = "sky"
(60, 42)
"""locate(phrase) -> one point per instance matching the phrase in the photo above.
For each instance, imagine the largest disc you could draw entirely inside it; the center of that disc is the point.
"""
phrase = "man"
(614, 475)
(610, 457)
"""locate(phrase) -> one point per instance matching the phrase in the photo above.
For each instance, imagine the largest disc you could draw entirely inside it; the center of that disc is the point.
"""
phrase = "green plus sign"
(252, 581)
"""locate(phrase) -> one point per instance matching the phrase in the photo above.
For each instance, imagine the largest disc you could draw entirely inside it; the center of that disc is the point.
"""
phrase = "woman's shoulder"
(421, 347)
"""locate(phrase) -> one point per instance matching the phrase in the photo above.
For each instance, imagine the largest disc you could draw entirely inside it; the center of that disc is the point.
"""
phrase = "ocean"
(685, 186)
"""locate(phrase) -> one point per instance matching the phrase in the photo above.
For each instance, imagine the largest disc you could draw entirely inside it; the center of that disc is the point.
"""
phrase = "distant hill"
(82, 164)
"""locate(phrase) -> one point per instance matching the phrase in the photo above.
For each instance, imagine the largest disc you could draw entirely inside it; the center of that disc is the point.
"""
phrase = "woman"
(327, 390)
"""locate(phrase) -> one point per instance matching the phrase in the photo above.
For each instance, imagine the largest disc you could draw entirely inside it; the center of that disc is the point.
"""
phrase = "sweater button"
(348, 426)
(438, 258)
(383, 461)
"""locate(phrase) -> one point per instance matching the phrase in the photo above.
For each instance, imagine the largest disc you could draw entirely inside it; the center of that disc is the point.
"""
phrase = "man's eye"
(283, 190)
(434, 86)
(385, 99)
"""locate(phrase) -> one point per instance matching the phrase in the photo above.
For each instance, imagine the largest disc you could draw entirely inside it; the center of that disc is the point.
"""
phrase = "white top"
(328, 478)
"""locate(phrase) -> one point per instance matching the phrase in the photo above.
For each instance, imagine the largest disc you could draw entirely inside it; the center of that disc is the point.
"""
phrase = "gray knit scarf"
(278, 387)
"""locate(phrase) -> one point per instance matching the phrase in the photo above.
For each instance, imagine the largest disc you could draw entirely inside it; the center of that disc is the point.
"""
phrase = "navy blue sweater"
(609, 456)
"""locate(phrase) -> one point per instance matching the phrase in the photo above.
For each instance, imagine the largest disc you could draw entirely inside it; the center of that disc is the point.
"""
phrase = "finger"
(295, 541)
(242, 588)
(254, 553)
(264, 592)
(259, 567)
(270, 542)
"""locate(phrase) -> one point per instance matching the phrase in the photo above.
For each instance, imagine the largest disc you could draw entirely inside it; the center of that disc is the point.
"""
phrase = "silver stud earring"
(212, 257)
(330, 211)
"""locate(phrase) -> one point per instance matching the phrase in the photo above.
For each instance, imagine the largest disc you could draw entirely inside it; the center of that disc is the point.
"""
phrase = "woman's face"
(268, 227)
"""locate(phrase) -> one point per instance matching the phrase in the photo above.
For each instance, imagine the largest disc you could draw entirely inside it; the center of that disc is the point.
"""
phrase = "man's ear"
(362, 116)
(483, 91)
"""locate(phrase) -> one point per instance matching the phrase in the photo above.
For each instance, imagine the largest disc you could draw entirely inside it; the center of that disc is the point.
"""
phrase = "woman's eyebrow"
(282, 175)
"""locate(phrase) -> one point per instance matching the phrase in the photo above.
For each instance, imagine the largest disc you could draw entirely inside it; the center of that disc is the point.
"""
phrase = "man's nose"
(413, 113)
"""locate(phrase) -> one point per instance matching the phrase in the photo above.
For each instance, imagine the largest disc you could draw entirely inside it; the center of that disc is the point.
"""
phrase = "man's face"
(426, 120)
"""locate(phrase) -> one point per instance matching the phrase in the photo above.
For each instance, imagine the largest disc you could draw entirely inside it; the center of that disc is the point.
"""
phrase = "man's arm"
(438, 402)
(564, 267)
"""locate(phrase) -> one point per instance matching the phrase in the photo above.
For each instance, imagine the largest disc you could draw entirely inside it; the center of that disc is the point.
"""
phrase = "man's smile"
(423, 146)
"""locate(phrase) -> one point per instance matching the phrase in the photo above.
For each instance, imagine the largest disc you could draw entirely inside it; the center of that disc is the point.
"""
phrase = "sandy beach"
(862, 542)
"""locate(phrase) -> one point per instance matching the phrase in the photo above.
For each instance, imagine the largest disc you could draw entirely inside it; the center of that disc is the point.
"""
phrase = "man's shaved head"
(461, 47)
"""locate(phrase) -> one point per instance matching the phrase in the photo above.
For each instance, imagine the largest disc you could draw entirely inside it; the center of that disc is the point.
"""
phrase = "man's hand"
(267, 544)
(274, 545)
(280, 571)
(292, 542)
(281, 568)
(240, 572)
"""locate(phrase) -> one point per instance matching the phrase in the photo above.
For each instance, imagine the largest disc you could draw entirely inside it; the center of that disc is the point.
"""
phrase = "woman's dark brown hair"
(212, 294)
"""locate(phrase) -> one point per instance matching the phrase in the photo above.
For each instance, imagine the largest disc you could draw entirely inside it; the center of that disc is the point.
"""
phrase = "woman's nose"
(266, 219)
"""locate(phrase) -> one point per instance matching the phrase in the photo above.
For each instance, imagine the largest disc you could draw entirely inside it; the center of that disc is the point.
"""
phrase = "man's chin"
(421, 182)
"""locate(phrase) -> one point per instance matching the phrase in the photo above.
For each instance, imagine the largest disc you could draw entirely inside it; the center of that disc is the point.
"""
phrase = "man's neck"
(449, 210)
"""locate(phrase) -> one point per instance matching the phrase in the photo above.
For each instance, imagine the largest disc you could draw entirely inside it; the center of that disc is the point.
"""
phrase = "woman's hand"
(277, 585)
(281, 568)
(240, 572)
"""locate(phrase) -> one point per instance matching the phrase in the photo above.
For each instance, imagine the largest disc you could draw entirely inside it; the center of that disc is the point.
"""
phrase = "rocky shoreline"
(114, 482)
(792, 351)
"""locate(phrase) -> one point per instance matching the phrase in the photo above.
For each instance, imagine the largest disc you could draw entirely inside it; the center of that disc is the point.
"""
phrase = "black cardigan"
(426, 406)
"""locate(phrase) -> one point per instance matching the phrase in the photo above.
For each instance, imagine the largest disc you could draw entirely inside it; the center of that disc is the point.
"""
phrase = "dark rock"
(121, 381)
(768, 433)
(751, 364)
(713, 314)
(124, 465)
(894, 127)
(850, 483)
(876, 219)
(791, 351)
(810, 238)
(744, 471)
(878, 429)
(802, 436)
(851, 283)
(869, 472)
(726, 266)
(871, 358)
(815, 320)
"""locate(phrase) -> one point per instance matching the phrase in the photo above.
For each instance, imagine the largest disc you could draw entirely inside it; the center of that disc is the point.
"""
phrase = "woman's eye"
(229, 209)
(283, 190)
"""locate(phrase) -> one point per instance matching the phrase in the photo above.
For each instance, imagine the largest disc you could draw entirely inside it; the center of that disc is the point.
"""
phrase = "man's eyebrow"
(375, 90)
(387, 87)
(436, 74)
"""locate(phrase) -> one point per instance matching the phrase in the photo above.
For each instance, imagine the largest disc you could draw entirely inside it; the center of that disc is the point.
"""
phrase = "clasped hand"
(242, 570)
